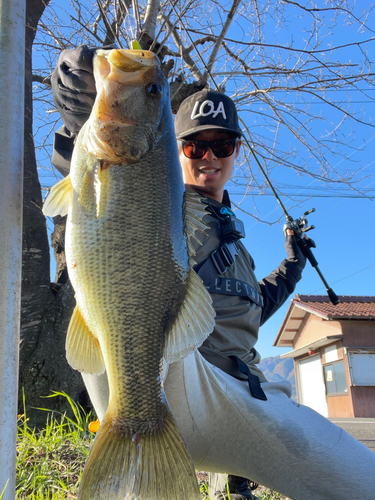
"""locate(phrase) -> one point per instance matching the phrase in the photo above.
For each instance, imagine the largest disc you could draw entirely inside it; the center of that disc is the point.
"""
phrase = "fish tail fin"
(139, 467)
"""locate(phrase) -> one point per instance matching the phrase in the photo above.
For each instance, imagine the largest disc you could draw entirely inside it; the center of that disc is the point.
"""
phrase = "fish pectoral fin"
(91, 190)
(59, 198)
(126, 464)
(193, 324)
(83, 350)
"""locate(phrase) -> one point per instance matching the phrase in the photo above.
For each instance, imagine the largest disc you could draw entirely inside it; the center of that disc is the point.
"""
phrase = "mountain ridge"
(276, 369)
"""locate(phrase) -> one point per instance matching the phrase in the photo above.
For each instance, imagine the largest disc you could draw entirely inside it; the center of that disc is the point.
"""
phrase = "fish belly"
(128, 274)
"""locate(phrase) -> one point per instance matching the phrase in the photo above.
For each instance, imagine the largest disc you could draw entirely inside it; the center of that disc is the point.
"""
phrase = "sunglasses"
(221, 148)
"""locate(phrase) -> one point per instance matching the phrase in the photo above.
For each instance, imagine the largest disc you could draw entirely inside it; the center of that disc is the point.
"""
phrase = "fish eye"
(154, 89)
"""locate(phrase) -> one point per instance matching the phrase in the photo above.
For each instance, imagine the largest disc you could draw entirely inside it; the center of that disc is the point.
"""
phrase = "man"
(231, 418)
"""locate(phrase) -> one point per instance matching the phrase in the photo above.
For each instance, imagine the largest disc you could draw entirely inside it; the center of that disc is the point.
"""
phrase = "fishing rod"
(298, 226)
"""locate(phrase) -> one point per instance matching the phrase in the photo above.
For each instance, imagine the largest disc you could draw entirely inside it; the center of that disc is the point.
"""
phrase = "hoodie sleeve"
(277, 287)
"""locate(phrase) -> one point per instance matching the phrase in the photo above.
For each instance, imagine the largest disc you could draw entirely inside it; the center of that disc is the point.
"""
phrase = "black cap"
(207, 109)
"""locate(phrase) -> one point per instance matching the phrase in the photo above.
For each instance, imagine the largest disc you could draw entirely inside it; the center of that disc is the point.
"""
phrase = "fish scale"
(130, 309)
(138, 300)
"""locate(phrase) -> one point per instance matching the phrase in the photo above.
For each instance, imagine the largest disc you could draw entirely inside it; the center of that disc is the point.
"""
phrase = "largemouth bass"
(129, 258)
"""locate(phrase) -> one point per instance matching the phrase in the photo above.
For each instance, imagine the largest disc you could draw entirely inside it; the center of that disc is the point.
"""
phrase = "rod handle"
(333, 297)
(305, 247)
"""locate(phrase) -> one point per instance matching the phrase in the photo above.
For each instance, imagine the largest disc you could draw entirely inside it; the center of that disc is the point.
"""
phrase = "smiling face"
(209, 174)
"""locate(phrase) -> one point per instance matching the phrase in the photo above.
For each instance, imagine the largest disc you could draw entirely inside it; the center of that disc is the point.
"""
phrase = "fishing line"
(289, 218)
(298, 226)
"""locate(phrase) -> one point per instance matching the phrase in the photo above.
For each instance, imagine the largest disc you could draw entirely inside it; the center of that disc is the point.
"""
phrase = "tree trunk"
(45, 310)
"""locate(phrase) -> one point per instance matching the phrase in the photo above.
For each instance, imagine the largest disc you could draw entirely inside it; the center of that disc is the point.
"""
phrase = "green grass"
(50, 462)
(5, 487)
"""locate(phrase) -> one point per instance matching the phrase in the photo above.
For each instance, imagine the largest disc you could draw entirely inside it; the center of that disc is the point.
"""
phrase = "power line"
(291, 195)
(296, 103)
(346, 277)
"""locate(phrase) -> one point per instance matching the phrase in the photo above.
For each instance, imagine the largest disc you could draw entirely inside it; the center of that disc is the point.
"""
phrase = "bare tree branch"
(99, 18)
(220, 39)
(150, 21)
(298, 87)
(112, 34)
(46, 80)
(329, 9)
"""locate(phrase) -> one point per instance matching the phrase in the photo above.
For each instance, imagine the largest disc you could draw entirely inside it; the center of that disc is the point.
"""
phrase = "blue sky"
(344, 224)
(344, 221)
(345, 249)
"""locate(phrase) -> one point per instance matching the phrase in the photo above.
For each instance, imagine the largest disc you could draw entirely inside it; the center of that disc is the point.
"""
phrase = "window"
(335, 379)
(362, 366)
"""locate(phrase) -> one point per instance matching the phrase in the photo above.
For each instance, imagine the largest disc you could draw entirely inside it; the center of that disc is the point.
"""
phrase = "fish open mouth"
(132, 60)
(126, 114)
(123, 66)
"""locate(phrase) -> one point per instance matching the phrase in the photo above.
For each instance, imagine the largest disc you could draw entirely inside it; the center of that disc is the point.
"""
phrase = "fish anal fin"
(83, 351)
(59, 198)
(194, 323)
(123, 464)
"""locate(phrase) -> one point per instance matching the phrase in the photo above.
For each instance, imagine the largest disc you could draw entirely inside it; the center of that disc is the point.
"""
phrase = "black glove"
(73, 86)
(294, 252)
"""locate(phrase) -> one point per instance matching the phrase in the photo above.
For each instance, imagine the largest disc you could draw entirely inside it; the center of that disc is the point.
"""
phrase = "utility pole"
(12, 71)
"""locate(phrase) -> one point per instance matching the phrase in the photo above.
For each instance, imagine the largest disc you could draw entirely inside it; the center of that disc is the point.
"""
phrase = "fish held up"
(129, 254)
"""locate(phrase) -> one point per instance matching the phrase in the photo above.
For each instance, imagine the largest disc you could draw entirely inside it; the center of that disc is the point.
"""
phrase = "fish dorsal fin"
(59, 198)
(83, 351)
(195, 210)
(193, 324)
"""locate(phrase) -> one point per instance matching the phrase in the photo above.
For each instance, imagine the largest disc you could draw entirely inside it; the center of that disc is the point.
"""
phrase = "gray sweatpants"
(277, 443)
